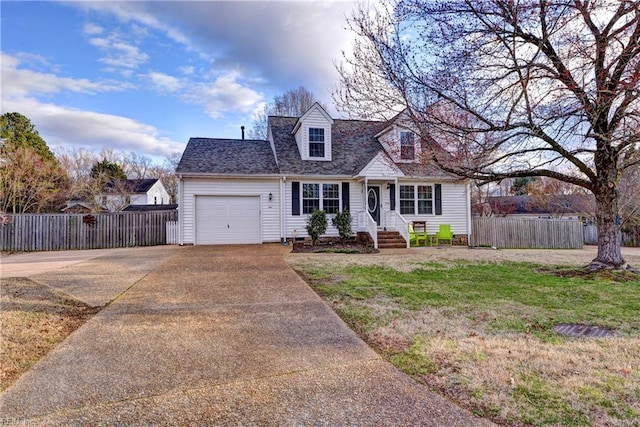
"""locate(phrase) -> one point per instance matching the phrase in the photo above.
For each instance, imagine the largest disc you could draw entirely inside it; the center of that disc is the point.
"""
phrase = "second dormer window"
(316, 142)
(407, 146)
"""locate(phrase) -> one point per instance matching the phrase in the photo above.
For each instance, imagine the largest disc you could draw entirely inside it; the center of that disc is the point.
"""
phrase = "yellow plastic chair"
(445, 234)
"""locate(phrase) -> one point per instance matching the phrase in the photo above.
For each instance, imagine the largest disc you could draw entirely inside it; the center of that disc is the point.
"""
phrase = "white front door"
(227, 220)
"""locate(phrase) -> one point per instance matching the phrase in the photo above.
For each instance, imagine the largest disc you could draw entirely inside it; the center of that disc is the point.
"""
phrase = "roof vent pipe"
(242, 129)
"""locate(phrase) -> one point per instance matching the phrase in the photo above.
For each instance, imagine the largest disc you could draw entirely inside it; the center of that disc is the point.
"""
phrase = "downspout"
(283, 207)
(469, 213)
(180, 210)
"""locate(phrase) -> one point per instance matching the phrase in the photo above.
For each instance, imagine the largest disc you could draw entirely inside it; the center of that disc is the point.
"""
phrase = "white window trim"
(413, 143)
(321, 199)
(416, 211)
(327, 143)
(417, 147)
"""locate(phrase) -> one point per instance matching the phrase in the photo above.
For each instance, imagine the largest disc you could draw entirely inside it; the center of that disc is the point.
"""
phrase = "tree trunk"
(609, 229)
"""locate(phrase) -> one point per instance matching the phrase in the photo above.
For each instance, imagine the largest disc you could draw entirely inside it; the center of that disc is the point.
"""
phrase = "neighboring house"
(251, 191)
(117, 195)
(569, 206)
(77, 206)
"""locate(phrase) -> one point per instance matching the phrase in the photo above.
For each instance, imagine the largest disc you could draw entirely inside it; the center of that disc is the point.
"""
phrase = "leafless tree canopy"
(509, 88)
(294, 103)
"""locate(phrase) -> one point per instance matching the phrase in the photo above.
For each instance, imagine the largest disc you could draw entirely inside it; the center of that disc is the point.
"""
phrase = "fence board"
(630, 235)
(526, 233)
(46, 232)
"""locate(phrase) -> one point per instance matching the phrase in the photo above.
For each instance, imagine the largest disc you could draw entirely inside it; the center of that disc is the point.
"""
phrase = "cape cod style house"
(251, 191)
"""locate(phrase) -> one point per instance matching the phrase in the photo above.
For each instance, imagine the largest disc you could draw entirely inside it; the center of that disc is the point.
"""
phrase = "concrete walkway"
(214, 336)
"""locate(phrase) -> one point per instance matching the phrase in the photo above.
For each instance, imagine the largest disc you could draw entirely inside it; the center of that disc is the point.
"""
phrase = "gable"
(381, 166)
(312, 132)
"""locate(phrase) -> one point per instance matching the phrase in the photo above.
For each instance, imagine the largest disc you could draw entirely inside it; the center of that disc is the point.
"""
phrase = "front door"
(373, 202)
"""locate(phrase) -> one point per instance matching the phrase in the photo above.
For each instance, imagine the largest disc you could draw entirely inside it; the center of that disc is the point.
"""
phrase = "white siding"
(270, 214)
(299, 222)
(315, 119)
(381, 167)
(455, 209)
(156, 195)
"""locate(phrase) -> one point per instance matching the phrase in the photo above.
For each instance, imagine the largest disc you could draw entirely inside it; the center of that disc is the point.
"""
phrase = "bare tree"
(137, 166)
(294, 102)
(560, 198)
(534, 88)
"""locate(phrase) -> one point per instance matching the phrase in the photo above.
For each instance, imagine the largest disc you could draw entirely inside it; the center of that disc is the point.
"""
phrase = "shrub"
(342, 221)
(317, 225)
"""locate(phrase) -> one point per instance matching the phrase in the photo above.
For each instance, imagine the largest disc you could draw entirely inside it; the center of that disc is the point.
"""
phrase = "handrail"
(402, 227)
(372, 228)
(368, 224)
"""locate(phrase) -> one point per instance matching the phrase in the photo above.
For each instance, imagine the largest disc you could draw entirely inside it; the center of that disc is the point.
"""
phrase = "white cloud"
(118, 52)
(164, 82)
(287, 43)
(18, 82)
(91, 29)
(226, 93)
(134, 11)
(188, 70)
(66, 127)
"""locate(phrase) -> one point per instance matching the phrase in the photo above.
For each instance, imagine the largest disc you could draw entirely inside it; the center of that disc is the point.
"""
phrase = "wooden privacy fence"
(630, 235)
(51, 232)
(526, 233)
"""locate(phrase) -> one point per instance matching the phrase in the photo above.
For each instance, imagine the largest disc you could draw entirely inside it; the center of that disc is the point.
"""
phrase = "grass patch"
(338, 251)
(33, 320)
(481, 334)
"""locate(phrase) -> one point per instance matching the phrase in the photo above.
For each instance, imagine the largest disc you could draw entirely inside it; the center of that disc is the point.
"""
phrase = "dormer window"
(316, 142)
(407, 146)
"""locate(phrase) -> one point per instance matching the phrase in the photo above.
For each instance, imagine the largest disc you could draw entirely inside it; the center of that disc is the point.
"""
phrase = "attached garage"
(227, 220)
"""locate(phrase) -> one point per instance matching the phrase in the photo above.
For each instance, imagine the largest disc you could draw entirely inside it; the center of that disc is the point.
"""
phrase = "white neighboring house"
(117, 195)
(251, 191)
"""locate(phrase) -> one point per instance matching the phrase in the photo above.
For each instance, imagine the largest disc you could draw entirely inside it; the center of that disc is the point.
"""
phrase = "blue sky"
(146, 76)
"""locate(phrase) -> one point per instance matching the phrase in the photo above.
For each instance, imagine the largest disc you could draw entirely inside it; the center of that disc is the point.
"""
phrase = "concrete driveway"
(212, 335)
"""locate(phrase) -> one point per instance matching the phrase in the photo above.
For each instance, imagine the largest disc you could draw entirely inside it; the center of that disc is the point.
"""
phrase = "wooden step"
(391, 240)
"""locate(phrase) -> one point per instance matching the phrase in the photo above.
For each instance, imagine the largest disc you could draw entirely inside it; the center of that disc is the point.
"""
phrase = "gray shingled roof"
(423, 169)
(227, 156)
(134, 186)
(150, 208)
(352, 146)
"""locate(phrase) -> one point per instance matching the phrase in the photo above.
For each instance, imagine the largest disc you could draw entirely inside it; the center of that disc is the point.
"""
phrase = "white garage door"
(227, 220)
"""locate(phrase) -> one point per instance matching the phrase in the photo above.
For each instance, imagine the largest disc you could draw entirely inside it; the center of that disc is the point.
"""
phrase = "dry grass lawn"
(33, 320)
(500, 360)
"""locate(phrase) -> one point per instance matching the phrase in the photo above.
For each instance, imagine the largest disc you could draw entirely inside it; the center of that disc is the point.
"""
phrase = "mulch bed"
(334, 246)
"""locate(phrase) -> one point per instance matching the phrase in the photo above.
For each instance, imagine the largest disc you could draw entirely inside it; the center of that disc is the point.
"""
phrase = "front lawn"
(481, 334)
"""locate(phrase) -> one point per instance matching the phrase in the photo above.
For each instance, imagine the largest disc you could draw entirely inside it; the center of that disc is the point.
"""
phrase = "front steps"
(391, 240)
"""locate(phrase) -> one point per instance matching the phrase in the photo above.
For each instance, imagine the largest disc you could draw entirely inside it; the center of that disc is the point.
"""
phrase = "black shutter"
(392, 196)
(438, 190)
(295, 198)
(345, 196)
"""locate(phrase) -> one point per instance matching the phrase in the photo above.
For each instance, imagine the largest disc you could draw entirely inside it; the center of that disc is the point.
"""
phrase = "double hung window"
(320, 196)
(407, 146)
(316, 142)
(416, 199)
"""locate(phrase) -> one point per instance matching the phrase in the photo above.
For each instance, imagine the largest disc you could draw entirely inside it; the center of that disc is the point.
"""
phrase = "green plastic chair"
(415, 237)
(445, 234)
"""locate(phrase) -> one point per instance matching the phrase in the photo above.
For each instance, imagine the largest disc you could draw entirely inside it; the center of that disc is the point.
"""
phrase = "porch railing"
(368, 224)
(401, 225)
